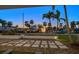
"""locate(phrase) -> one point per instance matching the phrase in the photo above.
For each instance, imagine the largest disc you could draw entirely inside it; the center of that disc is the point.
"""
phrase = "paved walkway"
(33, 43)
(26, 37)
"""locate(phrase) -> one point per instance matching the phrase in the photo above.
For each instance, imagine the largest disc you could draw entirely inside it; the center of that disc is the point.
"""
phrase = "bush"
(10, 32)
(64, 39)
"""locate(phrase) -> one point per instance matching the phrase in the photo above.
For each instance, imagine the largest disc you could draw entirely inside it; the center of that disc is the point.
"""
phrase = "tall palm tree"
(9, 24)
(58, 17)
(77, 23)
(27, 24)
(4, 23)
(16, 26)
(48, 16)
(53, 8)
(63, 19)
(0, 20)
(45, 24)
(31, 22)
(67, 24)
(73, 25)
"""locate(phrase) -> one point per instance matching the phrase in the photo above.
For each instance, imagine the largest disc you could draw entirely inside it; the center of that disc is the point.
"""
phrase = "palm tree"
(4, 23)
(58, 17)
(61, 24)
(16, 26)
(45, 24)
(63, 19)
(1, 21)
(73, 25)
(48, 16)
(67, 24)
(77, 23)
(31, 22)
(53, 8)
(27, 24)
(9, 24)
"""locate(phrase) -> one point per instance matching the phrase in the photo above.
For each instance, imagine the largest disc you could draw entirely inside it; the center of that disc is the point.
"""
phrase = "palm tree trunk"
(53, 8)
(67, 24)
(49, 21)
(57, 24)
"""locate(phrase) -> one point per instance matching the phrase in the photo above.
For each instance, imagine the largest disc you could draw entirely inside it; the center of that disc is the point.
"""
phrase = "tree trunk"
(67, 25)
(57, 24)
(49, 21)
(53, 9)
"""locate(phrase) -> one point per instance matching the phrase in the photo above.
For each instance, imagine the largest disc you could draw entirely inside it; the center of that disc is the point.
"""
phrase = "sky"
(35, 13)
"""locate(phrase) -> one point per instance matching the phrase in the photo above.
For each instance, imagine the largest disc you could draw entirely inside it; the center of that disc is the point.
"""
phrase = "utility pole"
(23, 19)
(22, 35)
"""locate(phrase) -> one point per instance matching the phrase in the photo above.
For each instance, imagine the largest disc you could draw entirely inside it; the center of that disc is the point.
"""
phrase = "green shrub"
(10, 32)
(64, 38)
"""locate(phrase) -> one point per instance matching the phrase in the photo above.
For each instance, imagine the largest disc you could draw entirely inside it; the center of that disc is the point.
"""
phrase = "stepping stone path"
(33, 43)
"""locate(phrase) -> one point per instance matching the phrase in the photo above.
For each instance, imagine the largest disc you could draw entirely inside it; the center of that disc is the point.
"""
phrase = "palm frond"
(57, 13)
(77, 22)
(63, 19)
(44, 16)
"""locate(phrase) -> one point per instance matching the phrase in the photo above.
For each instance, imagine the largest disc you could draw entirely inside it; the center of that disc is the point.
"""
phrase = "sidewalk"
(26, 37)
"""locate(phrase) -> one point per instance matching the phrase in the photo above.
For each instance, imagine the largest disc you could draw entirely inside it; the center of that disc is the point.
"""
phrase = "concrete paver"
(58, 43)
(34, 43)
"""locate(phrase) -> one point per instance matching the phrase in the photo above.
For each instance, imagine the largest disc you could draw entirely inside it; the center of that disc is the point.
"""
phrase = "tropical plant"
(53, 7)
(58, 17)
(9, 24)
(61, 24)
(48, 16)
(1, 21)
(27, 24)
(4, 23)
(63, 19)
(45, 24)
(49, 24)
(16, 26)
(54, 28)
(31, 22)
(73, 25)
(77, 23)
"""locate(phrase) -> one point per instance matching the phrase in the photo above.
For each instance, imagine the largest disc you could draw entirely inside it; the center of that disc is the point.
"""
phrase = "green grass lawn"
(64, 38)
